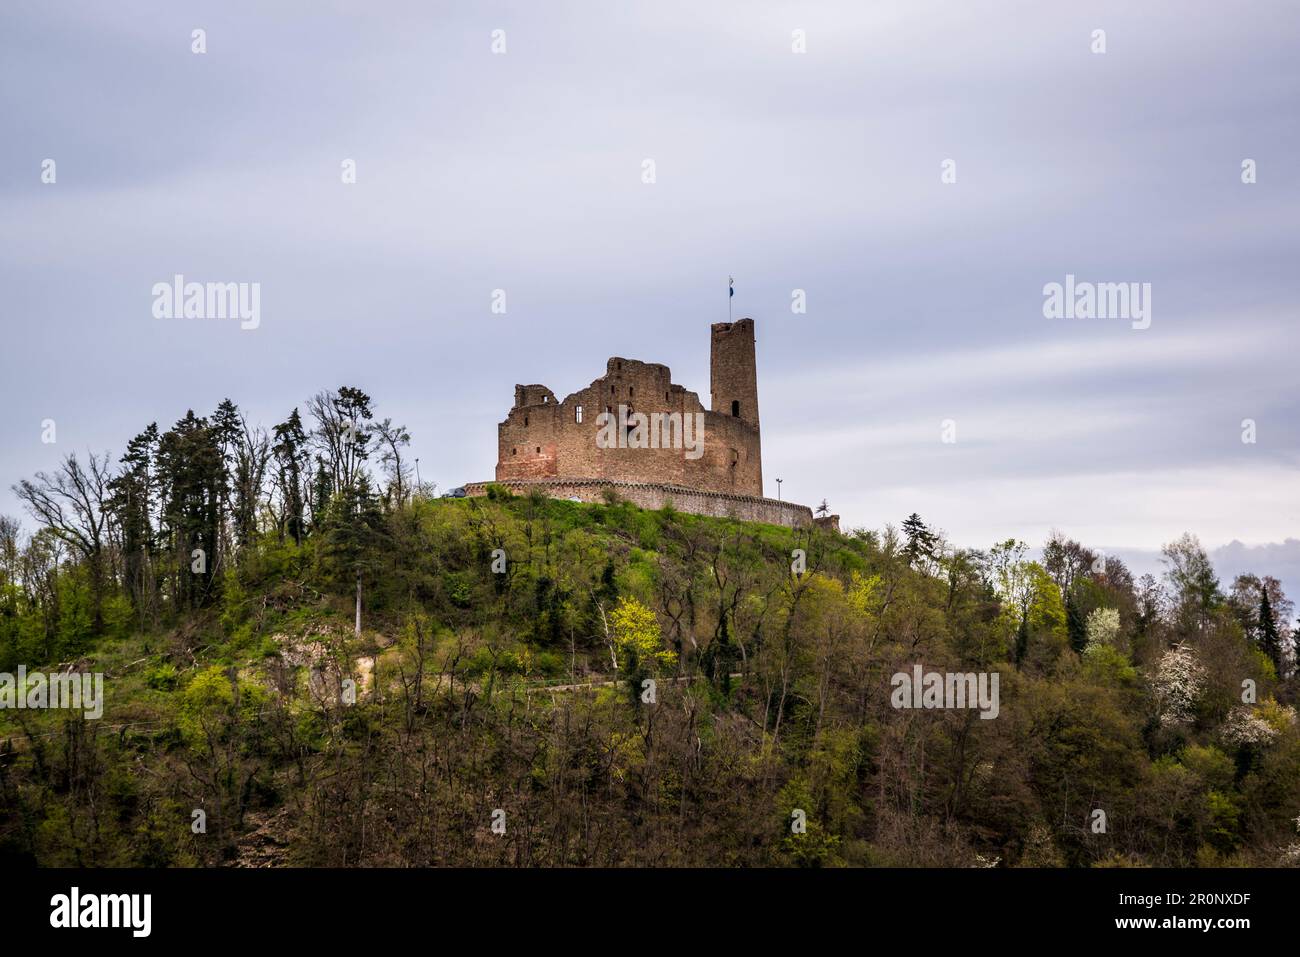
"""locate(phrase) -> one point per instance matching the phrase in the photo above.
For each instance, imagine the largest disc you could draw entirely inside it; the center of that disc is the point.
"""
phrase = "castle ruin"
(637, 433)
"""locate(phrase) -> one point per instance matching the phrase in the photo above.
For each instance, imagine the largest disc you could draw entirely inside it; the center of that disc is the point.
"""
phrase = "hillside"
(501, 665)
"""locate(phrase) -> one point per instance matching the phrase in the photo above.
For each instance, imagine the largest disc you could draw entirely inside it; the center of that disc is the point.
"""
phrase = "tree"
(246, 451)
(354, 535)
(1014, 585)
(921, 540)
(1295, 645)
(1076, 623)
(321, 492)
(290, 451)
(192, 478)
(1262, 609)
(1270, 642)
(1193, 582)
(392, 439)
(342, 434)
(1149, 597)
(1067, 561)
(134, 494)
(1103, 629)
(638, 640)
(73, 505)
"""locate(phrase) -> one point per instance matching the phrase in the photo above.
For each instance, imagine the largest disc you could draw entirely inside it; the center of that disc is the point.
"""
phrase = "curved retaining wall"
(747, 508)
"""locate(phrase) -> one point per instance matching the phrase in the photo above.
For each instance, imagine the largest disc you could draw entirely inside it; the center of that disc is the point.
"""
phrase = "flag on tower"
(731, 287)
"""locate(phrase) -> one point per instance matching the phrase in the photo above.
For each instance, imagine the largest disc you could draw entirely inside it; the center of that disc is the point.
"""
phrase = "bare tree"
(71, 504)
(392, 439)
(342, 434)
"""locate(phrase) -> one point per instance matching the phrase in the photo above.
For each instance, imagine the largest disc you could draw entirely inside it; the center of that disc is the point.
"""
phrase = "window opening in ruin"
(735, 407)
(577, 415)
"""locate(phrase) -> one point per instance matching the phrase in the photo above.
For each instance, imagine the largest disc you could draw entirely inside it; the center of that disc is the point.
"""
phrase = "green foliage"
(483, 688)
(637, 638)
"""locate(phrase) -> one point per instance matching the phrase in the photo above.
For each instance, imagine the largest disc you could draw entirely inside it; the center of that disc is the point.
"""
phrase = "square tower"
(733, 374)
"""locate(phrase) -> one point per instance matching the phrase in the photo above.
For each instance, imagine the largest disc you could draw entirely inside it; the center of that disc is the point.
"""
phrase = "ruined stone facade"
(543, 438)
(667, 447)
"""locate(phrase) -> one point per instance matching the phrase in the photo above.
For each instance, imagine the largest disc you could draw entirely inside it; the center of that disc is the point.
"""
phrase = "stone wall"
(746, 508)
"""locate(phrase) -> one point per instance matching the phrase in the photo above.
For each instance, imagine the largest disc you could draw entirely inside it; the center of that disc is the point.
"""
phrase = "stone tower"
(733, 373)
(733, 378)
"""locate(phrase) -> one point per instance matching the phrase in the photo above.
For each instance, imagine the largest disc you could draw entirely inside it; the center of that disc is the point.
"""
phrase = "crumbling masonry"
(558, 446)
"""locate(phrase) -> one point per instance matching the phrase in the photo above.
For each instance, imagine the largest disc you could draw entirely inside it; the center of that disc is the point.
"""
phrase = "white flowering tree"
(1179, 681)
(1243, 727)
(1103, 629)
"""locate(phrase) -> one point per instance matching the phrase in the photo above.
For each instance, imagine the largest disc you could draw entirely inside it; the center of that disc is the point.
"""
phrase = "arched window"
(577, 415)
(514, 451)
(735, 407)
(525, 421)
(629, 392)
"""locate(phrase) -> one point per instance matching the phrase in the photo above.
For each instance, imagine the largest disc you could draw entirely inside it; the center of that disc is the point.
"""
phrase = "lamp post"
(778, 490)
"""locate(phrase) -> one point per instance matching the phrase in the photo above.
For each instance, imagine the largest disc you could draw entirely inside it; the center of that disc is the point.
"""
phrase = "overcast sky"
(818, 171)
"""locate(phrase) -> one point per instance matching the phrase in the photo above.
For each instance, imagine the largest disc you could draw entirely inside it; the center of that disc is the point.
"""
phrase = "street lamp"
(778, 490)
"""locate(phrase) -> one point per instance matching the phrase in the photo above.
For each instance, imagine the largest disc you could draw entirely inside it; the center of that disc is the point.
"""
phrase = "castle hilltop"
(637, 433)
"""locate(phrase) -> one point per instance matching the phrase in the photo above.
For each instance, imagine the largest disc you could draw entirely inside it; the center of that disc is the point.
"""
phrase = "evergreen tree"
(245, 452)
(1076, 624)
(192, 479)
(1295, 647)
(227, 428)
(1270, 642)
(290, 452)
(355, 534)
(920, 540)
(132, 502)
